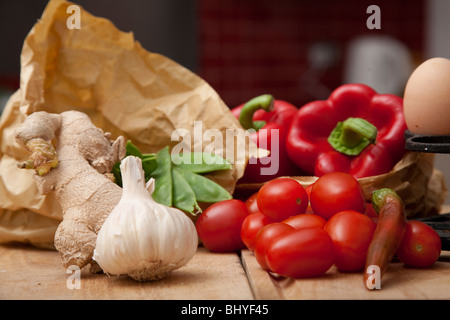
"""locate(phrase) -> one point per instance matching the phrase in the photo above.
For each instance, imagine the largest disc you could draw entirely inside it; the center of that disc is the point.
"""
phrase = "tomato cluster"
(301, 232)
(329, 228)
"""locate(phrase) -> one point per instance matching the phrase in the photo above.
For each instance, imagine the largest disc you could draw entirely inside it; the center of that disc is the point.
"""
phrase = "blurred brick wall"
(250, 47)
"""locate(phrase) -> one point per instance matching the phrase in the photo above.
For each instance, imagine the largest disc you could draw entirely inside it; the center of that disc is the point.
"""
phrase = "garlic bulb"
(140, 237)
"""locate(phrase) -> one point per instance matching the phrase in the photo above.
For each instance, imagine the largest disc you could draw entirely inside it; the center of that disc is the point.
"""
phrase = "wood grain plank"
(398, 283)
(30, 273)
(262, 284)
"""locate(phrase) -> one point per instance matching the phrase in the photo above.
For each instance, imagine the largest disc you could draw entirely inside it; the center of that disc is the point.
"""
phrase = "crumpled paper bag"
(125, 90)
(415, 179)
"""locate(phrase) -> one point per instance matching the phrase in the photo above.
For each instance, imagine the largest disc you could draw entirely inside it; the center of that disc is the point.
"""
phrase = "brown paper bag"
(125, 90)
(421, 186)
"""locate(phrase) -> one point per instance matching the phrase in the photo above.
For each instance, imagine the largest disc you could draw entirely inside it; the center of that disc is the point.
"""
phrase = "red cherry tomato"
(251, 204)
(281, 198)
(308, 189)
(305, 220)
(371, 213)
(308, 192)
(301, 253)
(421, 245)
(250, 227)
(335, 192)
(219, 226)
(351, 232)
(264, 237)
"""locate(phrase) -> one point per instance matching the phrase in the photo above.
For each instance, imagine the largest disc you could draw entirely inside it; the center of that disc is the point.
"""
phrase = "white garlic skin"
(140, 237)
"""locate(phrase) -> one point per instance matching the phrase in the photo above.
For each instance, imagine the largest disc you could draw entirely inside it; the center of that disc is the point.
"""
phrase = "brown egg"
(426, 101)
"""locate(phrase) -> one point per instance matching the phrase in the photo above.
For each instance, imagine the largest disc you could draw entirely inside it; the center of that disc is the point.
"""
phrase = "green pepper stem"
(354, 129)
(380, 196)
(352, 136)
(264, 102)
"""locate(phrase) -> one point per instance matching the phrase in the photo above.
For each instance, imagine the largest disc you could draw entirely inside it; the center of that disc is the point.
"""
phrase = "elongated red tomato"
(351, 233)
(301, 253)
(305, 220)
(250, 227)
(265, 236)
(219, 226)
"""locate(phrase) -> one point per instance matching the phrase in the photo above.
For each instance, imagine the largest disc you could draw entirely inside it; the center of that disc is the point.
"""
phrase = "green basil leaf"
(117, 175)
(149, 164)
(178, 179)
(132, 150)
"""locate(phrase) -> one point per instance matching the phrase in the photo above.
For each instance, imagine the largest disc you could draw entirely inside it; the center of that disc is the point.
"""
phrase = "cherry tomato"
(281, 198)
(308, 189)
(250, 227)
(421, 245)
(335, 192)
(351, 232)
(219, 226)
(264, 237)
(301, 253)
(251, 204)
(308, 192)
(305, 220)
(371, 213)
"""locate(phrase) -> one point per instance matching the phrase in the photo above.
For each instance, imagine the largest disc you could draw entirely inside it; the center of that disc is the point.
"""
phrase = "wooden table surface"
(30, 273)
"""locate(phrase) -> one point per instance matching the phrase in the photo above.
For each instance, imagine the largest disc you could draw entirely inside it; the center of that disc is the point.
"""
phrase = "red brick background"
(250, 47)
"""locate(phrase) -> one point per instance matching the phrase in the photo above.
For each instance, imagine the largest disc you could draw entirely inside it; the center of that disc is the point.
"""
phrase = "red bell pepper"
(265, 116)
(356, 131)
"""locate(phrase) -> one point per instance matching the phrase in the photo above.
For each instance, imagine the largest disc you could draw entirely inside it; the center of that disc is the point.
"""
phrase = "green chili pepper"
(183, 196)
(163, 192)
(205, 190)
(200, 162)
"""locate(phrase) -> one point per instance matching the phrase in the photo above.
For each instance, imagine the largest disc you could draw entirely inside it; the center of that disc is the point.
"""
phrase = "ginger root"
(43, 156)
(78, 170)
